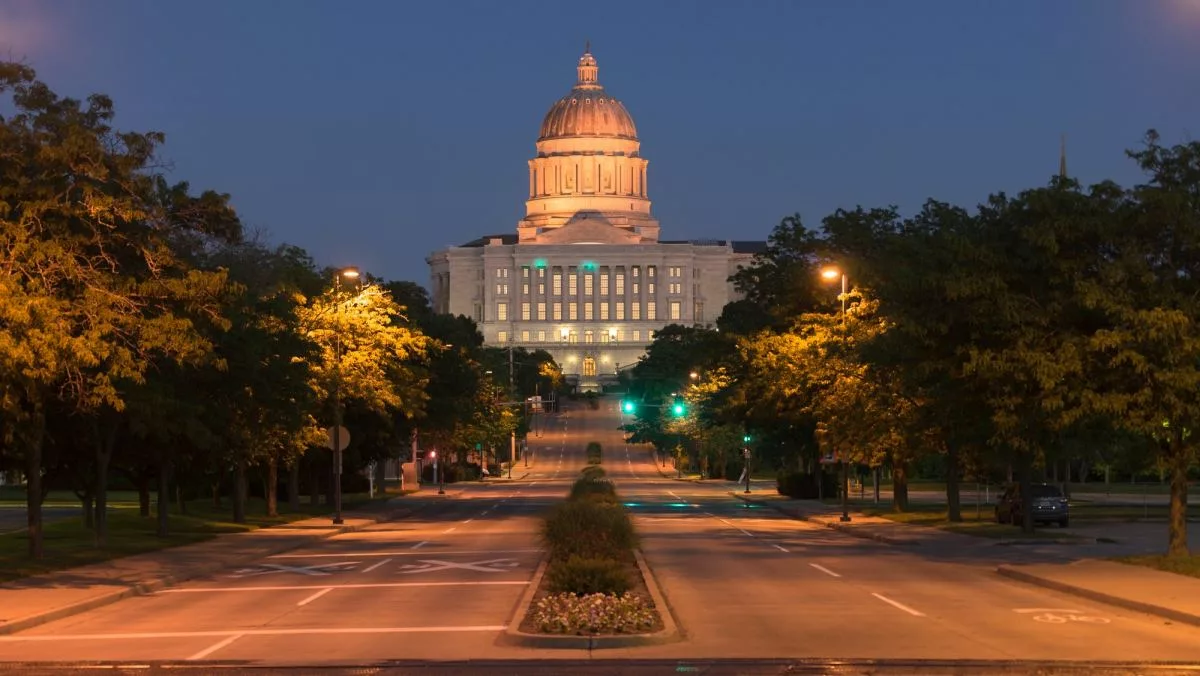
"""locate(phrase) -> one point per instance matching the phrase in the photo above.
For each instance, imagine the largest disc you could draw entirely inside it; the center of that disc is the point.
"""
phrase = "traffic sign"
(343, 438)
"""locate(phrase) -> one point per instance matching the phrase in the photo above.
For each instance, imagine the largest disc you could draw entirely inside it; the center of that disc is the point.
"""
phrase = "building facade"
(586, 277)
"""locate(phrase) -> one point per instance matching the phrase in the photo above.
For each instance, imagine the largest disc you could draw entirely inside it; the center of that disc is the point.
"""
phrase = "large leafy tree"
(91, 292)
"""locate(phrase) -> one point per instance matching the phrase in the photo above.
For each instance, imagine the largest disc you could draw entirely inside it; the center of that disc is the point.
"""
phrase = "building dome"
(587, 110)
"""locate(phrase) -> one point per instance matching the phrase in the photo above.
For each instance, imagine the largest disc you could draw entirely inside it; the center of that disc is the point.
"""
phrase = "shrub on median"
(595, 454)
(588, 488)
(588, 529)
(578, 575)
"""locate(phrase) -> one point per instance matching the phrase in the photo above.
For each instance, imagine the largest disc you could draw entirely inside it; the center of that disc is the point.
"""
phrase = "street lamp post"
(347, 273)
(831, 274)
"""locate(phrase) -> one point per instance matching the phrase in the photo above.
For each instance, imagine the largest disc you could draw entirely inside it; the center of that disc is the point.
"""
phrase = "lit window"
(524, 336)
(502, 312)
(587, 311)
(541, 288)
(650, 288)
(635, 272)
(603, 283)
(651, 310)
(604, 311)
(637, 336)
(541, 336)
(525, 312)
(525, 288)
(620, 308)
(541, 312)
(635, 310)
(572, 284)
(557, 311)
(676, 309)
(525, 272)
(635, 288)
(588, 336)
(558, 283)
(502, 337)
(588, 279)
(572, 311)
(541, 273)
(620, 290)
(650, 271)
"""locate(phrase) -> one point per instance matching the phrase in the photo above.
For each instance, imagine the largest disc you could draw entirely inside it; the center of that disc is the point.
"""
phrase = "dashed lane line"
(782, 549)
(825, 570)
(214, 647)
(314, 597)
(899, 605)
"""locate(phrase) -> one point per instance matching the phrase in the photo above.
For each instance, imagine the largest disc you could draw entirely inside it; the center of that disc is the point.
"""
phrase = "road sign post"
(746, 457)
(338, 440)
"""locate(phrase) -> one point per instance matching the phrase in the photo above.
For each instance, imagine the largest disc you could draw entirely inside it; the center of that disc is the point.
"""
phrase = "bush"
(581, 576)
(593, 472)
(594, 453)
(589, 488)
(589, 529)
(803, 486)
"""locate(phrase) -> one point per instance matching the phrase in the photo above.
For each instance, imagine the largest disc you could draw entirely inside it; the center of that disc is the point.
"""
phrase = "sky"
(372, 133)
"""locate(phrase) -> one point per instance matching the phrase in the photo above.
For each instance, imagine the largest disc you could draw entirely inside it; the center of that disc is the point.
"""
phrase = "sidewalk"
(36, 600)
(860, 525)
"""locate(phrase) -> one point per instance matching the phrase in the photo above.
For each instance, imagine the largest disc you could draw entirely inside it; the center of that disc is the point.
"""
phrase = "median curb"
(154, 584)
(513, 636)
(1110, 599)
(834, 525)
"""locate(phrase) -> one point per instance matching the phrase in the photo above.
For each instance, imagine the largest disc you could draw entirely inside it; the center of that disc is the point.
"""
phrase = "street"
(742, 581)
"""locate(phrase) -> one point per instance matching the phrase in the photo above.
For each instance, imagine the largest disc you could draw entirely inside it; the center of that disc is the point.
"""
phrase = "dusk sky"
(371, 133)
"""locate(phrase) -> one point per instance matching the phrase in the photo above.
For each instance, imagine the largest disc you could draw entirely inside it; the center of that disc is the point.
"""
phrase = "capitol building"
(586, 276)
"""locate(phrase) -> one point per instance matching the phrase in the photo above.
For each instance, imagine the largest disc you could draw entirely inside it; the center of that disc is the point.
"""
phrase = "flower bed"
(567, 613)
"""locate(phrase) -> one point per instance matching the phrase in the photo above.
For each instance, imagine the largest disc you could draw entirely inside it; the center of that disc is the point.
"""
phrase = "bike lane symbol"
(1060, 615)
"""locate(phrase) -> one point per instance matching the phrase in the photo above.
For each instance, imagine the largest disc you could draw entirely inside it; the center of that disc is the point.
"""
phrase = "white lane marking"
(273, 568)
(214, 647)
(450, 530)
(375, 565)
(899, 605)
(744, 531)
(316, 596)
(779, 548)
(823, 569)
(434, 565)
(249, 632)
(407, 552)
(376, 585)
(469, 520)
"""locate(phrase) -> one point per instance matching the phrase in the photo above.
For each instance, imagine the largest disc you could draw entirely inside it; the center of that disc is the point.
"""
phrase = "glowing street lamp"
(830, 274)
(348, 274)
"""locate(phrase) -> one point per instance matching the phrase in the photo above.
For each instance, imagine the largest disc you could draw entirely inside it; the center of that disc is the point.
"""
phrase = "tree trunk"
(216, 494)
(314, 488)
(142, 482)
(104, 447)
(1177, 542)
(381, 476)
(953, 497)
(899, 485)
(89, 517)
(33, 479)
(1026, 471)
(164, 497)
(239, 492)
(272, 485)
(179, 501)
(294, 486)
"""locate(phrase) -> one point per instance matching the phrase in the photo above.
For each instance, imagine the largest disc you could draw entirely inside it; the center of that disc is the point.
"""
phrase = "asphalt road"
(743, 583)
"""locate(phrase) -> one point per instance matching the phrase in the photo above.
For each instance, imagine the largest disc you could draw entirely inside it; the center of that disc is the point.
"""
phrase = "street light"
(344, 273)
(830, 274)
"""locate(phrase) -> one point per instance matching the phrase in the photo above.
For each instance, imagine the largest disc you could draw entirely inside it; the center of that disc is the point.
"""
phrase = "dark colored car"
(1049, 505)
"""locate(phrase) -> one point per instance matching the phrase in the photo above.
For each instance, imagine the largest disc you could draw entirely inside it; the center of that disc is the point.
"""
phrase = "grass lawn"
(1187, 565)
(982, 525)
(68, 543)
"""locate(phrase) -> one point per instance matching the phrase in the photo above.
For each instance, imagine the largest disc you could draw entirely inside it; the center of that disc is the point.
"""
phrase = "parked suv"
(1049, 505)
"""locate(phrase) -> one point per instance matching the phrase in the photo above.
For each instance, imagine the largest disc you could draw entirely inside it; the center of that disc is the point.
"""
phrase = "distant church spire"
(1062, 157)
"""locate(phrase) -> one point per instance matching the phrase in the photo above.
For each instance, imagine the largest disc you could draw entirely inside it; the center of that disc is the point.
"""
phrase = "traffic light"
(745, 438)
(678, 409)
(627, 406)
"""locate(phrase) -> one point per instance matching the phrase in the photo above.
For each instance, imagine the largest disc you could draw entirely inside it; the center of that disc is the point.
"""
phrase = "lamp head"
(831, 273)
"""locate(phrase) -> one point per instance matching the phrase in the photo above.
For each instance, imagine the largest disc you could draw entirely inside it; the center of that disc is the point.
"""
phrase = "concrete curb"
(834, 525)
(1130, 604)
(151, 585)
(513, 636)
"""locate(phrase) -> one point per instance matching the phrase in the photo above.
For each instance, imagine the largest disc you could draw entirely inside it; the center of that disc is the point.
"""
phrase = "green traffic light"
(627, 406)
(746, 439)
(677, 409)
